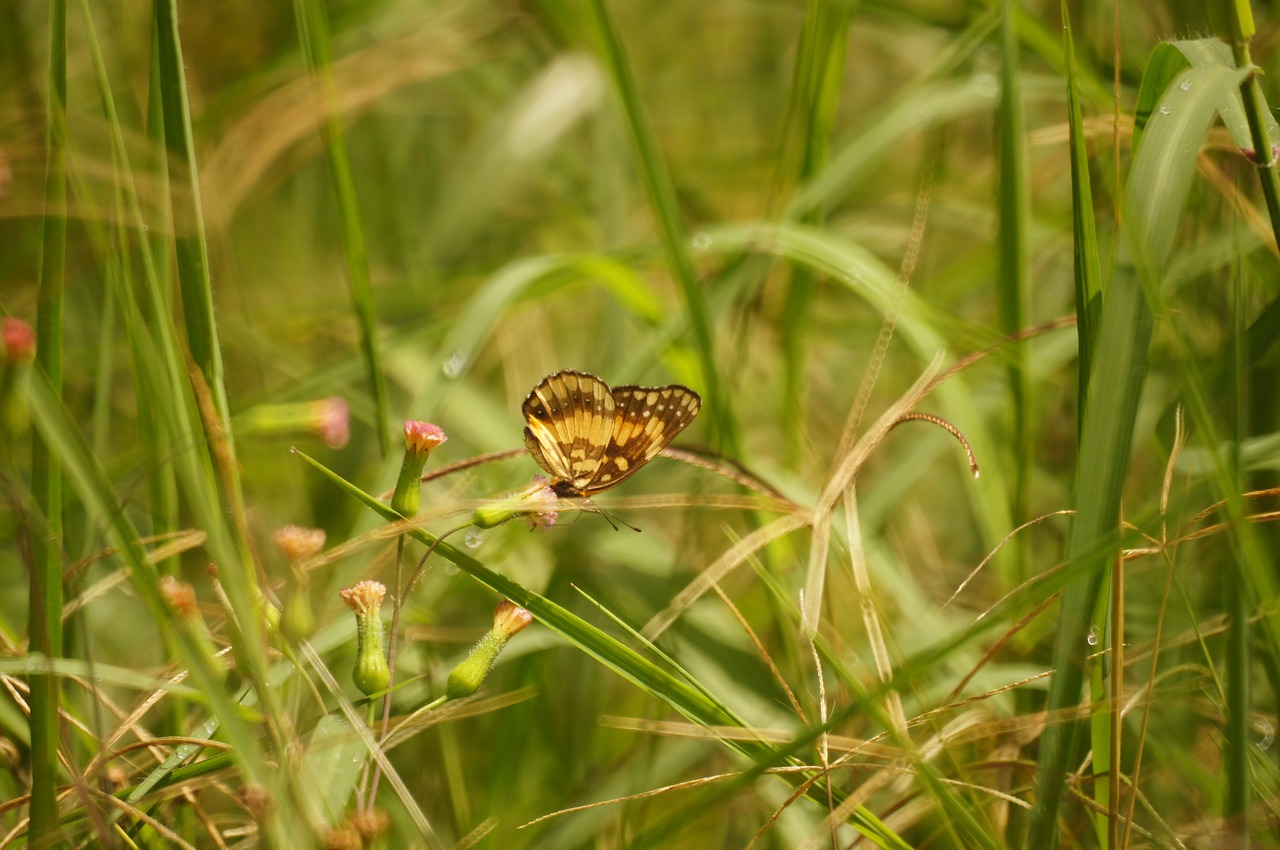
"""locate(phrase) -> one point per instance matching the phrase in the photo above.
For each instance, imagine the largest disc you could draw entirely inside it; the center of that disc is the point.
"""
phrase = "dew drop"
(473, 538)
(1165, 109)
(1093, 636)
(1267, 734)
(700, 241)
(1185, 85)
(453, 365)
(986, 85)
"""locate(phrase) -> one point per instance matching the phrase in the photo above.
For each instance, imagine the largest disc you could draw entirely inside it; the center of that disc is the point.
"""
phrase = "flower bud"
(17, 350)
(419, 439)
(326, 418)
(298, 543)
(371, 673)
(178, 595)
(508, 619)
(537, 505)
(19, 341)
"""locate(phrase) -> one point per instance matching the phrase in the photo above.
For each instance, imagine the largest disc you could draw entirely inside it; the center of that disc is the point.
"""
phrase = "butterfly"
(589, 438)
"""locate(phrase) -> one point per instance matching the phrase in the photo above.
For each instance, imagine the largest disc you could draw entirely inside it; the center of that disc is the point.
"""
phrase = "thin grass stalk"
(192, 266)
(660, 190)
(162, 485)
(313, 34)
(1115, 704)
(1012, 274)
(192, 250)
(1237, 743)
(819, 74)
(46, 594)
(1088, 274)
(1099, 723)
(1104, 727)
(1240, 19)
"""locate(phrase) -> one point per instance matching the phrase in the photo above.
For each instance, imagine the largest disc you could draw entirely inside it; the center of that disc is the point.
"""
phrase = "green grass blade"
(1156, 196)
(192, 250)
(1088, 274)
(45, 599)
(1088, 289)
(313, 33)
(816, 87)
(675, 240)
(1011, 288)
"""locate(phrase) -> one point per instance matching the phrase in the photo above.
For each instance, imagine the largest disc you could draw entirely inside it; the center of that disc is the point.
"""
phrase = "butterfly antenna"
(610, 517)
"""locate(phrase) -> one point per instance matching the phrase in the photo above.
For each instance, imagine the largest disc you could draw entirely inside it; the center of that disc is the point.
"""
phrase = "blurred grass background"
(215, 213)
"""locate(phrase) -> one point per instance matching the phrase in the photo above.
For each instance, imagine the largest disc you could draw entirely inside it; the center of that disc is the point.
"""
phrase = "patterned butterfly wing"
(645, 421)
(589, 438)
(569, 420)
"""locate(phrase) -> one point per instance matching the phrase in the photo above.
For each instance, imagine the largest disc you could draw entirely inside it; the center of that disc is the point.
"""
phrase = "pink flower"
(364, 597)
(298, 543)
(509, 618)
(19, 340)
(330, 418)
(421, 437)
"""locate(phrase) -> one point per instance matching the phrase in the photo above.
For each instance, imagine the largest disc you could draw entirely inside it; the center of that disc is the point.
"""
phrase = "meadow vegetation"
(970, 545)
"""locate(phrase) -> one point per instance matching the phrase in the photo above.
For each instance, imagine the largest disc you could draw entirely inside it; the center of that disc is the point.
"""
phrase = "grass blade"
(675, 240)
(46, 468)
(1157, 193)
(313, 32)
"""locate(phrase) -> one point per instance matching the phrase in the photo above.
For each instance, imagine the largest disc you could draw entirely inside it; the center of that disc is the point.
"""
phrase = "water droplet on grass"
(473, 538)
(453, 365)
(986, 85)
(1267, 734)
(1093, 636)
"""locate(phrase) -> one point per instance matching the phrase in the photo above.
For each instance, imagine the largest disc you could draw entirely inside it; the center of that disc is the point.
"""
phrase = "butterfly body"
(589, 437)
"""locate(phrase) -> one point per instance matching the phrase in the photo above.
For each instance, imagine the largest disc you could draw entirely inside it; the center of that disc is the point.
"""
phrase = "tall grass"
(254, 239)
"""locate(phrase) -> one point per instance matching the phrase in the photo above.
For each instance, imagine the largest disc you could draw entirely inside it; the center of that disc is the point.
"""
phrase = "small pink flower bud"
(178, 595)
(298, 543)
(422, 437)
(537, 504)
(371, 673)
(19, 340)
(508, 619)
(419, 439)
(365, 598)
(330, 421)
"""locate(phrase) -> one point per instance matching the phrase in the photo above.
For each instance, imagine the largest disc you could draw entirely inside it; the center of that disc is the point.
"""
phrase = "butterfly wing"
(569, 420)
(645, 421)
